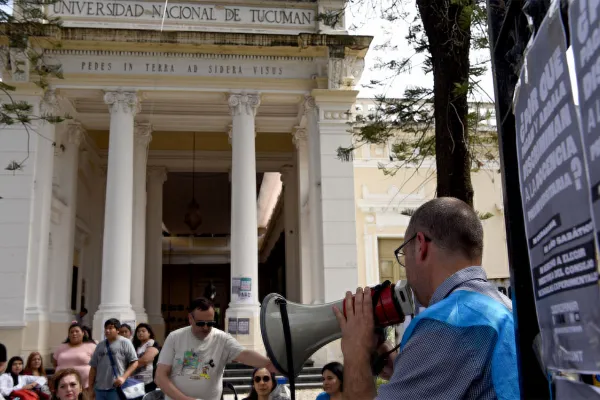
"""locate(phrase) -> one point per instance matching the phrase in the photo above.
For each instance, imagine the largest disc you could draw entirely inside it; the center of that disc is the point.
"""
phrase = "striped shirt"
(445, 362)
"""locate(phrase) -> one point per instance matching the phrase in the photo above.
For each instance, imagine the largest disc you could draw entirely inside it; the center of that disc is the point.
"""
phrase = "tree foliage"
(437, 122)
(22, 28)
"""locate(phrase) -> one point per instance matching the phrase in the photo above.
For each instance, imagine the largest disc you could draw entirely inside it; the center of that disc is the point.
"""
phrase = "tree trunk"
(449, 47)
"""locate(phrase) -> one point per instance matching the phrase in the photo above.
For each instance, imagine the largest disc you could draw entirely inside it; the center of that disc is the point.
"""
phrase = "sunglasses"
(265, 379)
(202, 324)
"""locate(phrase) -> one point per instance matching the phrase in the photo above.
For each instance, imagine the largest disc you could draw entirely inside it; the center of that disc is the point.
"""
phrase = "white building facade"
(241, 107)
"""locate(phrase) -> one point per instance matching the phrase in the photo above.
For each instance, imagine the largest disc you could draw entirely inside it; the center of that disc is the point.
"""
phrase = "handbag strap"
(112, 361)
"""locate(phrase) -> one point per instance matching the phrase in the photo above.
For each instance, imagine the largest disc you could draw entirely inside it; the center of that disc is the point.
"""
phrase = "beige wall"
(380, 199)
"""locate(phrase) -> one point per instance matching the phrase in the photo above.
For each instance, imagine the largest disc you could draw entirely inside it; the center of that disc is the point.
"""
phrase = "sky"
(363, 20)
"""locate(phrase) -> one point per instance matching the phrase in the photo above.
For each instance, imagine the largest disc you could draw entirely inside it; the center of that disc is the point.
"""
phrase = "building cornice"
(167, 55)
(307, 44)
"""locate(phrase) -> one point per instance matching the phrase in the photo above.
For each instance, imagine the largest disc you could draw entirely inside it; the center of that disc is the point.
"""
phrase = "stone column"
(244, 244)
(154, 265)
(39, 167)
(300, 140)
(63, 233)
(293, 279)
(143, 136)
(335, 180)
(314, 201)
(115, 297)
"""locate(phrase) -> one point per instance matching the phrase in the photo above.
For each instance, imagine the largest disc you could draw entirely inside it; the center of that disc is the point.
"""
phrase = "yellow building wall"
(380, 199)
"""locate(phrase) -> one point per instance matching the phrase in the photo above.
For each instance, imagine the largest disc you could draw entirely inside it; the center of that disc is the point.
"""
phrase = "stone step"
(306, 378)
(244, 389)
(248, 371)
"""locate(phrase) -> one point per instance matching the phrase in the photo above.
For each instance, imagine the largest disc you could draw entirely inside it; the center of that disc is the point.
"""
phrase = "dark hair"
(87, 331)
(9, 366)
(59, 375)
(338, 370)
(126, 326)
(114, 322)
(452, 224)
(84, 310)
(253, 395)
(136, 342)
(202, 304)
(28, 370)
(84, 329)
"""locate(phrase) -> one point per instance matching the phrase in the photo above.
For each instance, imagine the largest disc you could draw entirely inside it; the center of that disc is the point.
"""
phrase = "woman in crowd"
(67, 385)
(76, 352)
(147, 350)
(263, 383)
(125, 331)
(13, 379)
(87, 333)
(35, 365)
(333, 381)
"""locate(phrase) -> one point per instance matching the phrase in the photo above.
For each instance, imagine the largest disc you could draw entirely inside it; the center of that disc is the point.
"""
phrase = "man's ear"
(423, 246)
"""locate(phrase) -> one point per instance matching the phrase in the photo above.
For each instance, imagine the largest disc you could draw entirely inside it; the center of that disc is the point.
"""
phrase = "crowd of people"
(462, 346)
(133, 356)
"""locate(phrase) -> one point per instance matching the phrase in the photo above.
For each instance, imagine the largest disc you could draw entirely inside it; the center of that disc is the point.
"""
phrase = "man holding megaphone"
(462, 346)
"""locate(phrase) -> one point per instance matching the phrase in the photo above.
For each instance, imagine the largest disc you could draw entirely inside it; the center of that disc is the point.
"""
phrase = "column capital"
(143, 133)
(75, 133)
(158, 173)
(49, 103)
(299, 136)
(309, 103)
(244, 104)
(120, 101)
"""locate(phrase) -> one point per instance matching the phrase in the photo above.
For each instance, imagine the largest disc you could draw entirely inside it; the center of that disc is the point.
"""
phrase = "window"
(389, 269)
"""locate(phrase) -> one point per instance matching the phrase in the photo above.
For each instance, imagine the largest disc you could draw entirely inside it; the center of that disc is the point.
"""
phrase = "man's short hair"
(114, 322)
(202, 304)
(452, 225)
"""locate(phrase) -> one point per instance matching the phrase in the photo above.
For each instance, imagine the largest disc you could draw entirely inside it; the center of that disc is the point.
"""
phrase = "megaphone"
(292, 332)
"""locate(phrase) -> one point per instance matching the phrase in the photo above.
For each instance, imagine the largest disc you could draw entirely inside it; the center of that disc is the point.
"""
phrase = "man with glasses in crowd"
(462, 346)
(193, 359)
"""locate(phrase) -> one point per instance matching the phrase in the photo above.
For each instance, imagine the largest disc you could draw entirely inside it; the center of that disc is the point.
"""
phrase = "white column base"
(140, 315)
(61, 316)
(106, 313)
(252, 340)
(328, 353)
(158, 326)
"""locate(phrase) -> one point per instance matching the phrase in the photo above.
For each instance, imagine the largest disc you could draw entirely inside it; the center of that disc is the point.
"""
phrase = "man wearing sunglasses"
(193, 359)
(462, 346)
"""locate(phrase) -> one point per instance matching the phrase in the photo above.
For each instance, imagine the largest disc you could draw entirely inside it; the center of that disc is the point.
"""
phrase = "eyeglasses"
(265, 379)
(399, 252)
(202, 324)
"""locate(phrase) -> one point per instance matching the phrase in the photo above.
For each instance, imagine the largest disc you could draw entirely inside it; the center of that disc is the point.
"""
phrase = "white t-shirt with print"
(197, 365)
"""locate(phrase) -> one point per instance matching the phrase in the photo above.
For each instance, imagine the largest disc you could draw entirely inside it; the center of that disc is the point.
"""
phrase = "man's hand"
(119, 381)
(272, 368)
(358, 325)
(357, 345)
(388, 369)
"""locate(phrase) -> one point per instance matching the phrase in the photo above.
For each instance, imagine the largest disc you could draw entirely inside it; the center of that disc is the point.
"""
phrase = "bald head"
(452, 224)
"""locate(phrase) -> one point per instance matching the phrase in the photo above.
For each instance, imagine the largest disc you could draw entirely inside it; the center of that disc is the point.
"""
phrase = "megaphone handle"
(288, 347)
